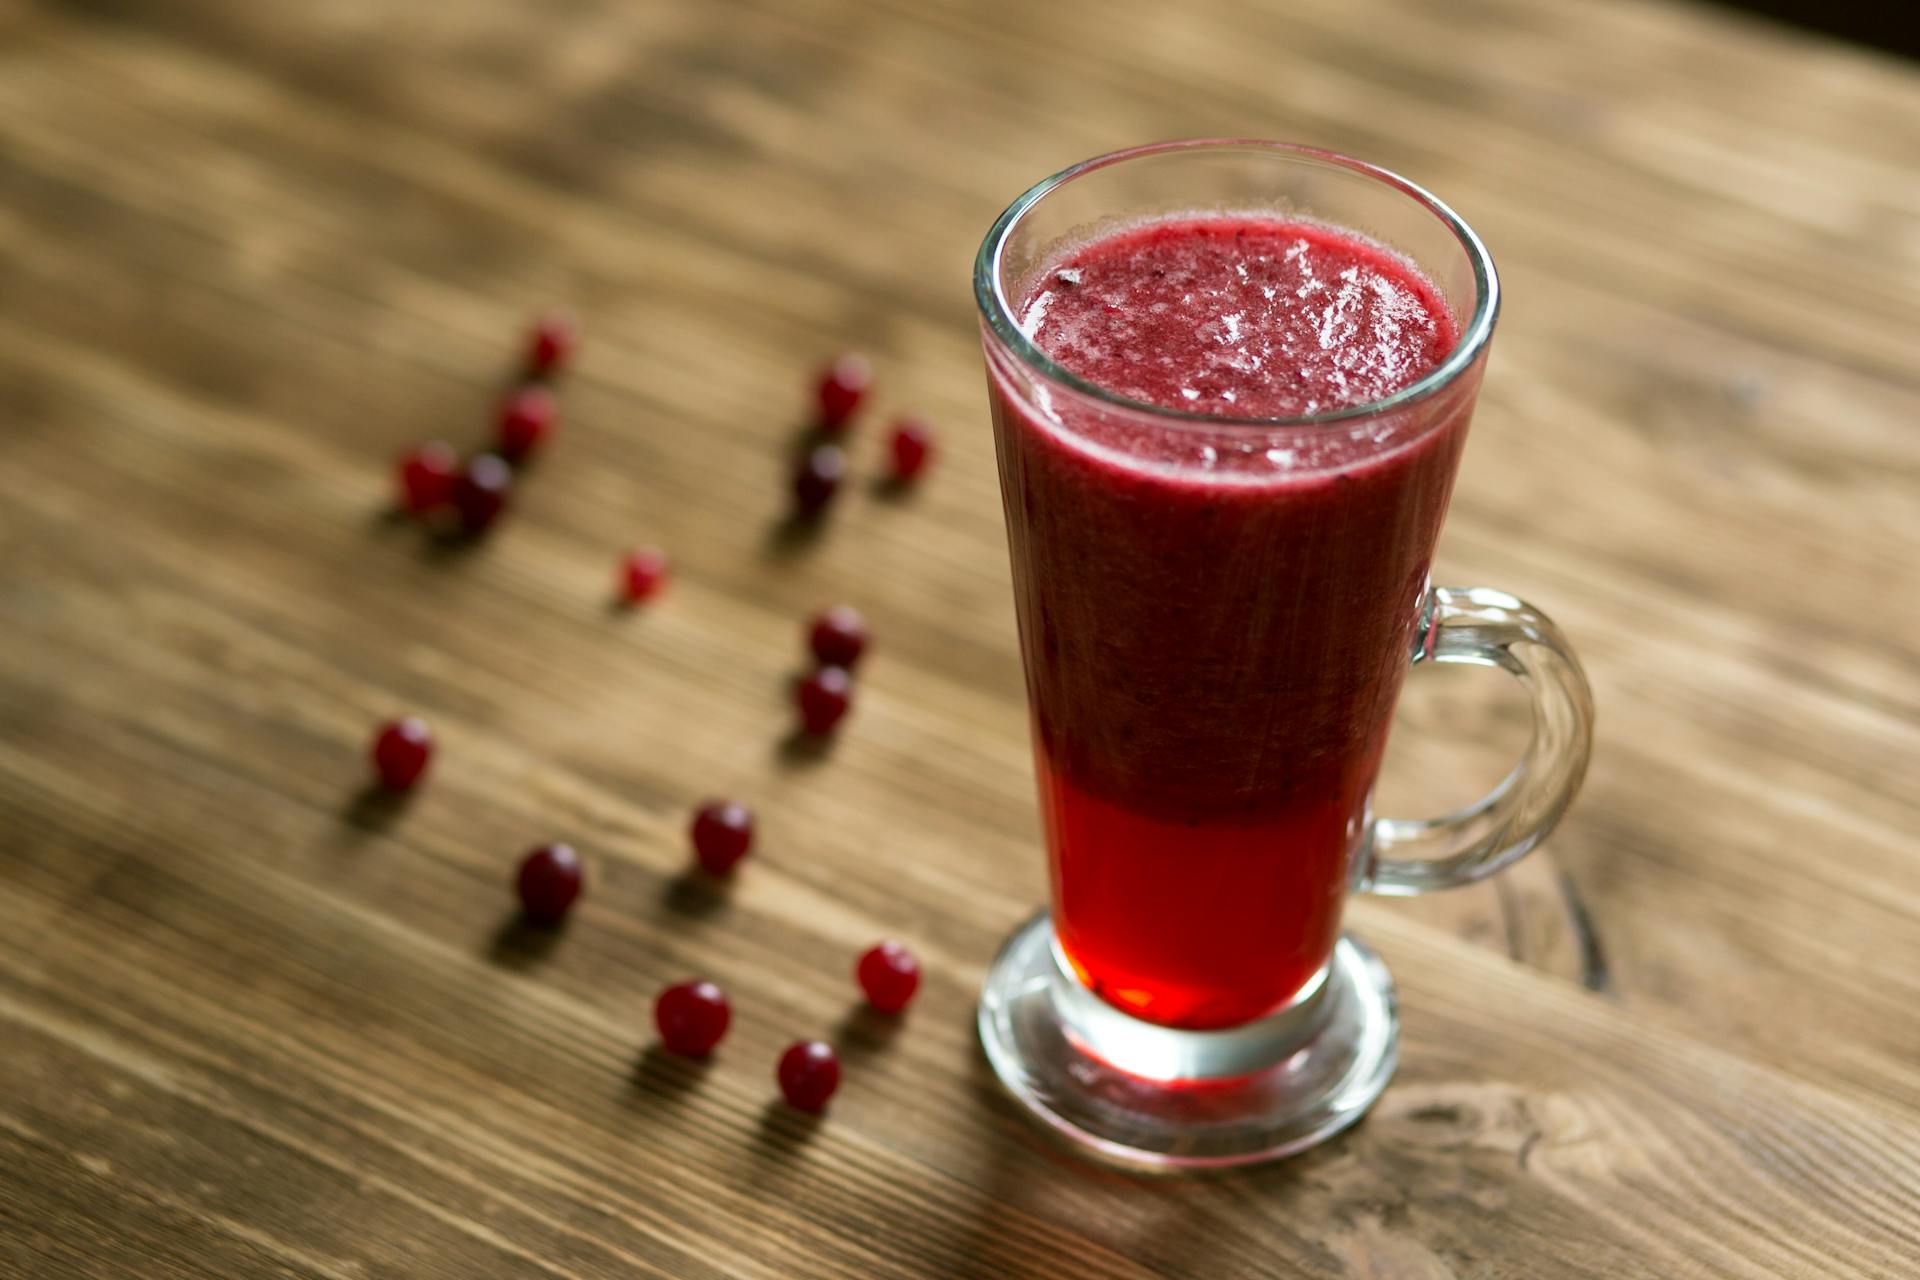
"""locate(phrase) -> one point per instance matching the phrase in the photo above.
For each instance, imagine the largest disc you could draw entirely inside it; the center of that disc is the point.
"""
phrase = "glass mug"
(1215, 619)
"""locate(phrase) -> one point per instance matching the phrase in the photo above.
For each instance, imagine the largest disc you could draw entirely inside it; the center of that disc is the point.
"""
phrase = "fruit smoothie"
(1216, 616)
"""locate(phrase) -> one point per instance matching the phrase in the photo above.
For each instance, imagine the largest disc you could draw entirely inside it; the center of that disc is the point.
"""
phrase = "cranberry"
(839, 636)
(692, 1017)
(402, 752)
(642, 574)
(889, 975)
(912, 448)
(809, 1073)
(818, 478)
(722, 835)
(842, 387)
(550, 880)
(824, 697)
(481, 492)
(527, 418)
(427, 475)
(552, 343)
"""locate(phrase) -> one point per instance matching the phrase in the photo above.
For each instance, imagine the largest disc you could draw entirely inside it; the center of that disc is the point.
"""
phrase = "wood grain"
(254, 1024)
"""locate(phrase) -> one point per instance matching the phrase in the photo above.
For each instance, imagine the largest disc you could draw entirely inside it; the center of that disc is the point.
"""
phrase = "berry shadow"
(865, 1031)
(785, 1130)
(662, 1074)
(802, 749)
(891, 489)
(447, 544)
(793, 533)
(519, 943)
(374, 808)
(390, 516)
(696, 894)
(799, 748)
(528, 374)
(810, 434)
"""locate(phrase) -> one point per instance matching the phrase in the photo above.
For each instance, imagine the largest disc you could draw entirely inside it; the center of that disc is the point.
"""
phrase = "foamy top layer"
(1239, 316)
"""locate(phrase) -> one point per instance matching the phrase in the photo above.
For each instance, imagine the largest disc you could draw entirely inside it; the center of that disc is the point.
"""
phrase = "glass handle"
(1492, 629)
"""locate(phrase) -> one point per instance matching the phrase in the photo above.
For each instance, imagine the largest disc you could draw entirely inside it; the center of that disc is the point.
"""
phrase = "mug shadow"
(1170, 1223)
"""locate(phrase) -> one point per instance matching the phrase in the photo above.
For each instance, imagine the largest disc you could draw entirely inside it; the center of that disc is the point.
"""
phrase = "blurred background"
(1882, 23)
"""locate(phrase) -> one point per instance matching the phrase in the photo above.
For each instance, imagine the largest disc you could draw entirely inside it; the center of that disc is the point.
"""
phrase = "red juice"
(1215, 617)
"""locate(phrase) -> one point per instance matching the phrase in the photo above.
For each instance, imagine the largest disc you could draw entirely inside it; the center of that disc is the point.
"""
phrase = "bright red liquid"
(1215, 621)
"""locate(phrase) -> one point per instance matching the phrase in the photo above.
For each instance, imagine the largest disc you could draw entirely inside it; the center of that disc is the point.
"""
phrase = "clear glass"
(1216, 616)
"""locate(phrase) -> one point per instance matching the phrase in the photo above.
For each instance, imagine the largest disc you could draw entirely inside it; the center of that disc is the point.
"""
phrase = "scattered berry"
(889, 975)
(552, 343)
(550, 880)
(402, 752)
(692, 1017)
(912, 446)
(722, 835)
(481, 492)
(839, 636)
(527, 418)
(818, 479)
(427, 475)
(809, 1073)
(842, 387)
(642, 574)
(824, 698)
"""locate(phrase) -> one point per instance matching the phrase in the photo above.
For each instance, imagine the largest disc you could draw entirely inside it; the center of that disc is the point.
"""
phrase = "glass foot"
(1148, 1097)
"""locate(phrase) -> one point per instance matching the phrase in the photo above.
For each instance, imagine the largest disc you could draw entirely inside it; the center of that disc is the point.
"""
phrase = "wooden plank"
(1760, 485)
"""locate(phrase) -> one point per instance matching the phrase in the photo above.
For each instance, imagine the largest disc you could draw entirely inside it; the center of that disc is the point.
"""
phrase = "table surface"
(257, 1025)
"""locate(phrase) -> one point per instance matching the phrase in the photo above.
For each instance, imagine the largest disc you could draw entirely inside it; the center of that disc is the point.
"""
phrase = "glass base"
(1147, 1097)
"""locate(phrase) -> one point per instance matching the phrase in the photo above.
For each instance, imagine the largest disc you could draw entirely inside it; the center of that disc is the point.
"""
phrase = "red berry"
(839, 636)
(889, 975)
(402, 752)
(550, 880)
(818, 478)
(692, 1017)
(527, 418)
(824, 697)
(842, 387)
(427, 475)
(722, 835)
(809, 1073)
(642, 574)
(552, 343)
(481, 492)
(912, 448)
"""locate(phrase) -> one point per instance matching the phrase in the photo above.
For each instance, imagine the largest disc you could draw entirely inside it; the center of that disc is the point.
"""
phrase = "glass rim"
(1474, 335)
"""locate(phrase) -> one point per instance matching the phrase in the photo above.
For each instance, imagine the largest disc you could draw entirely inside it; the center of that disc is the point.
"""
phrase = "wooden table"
(251, 1025)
